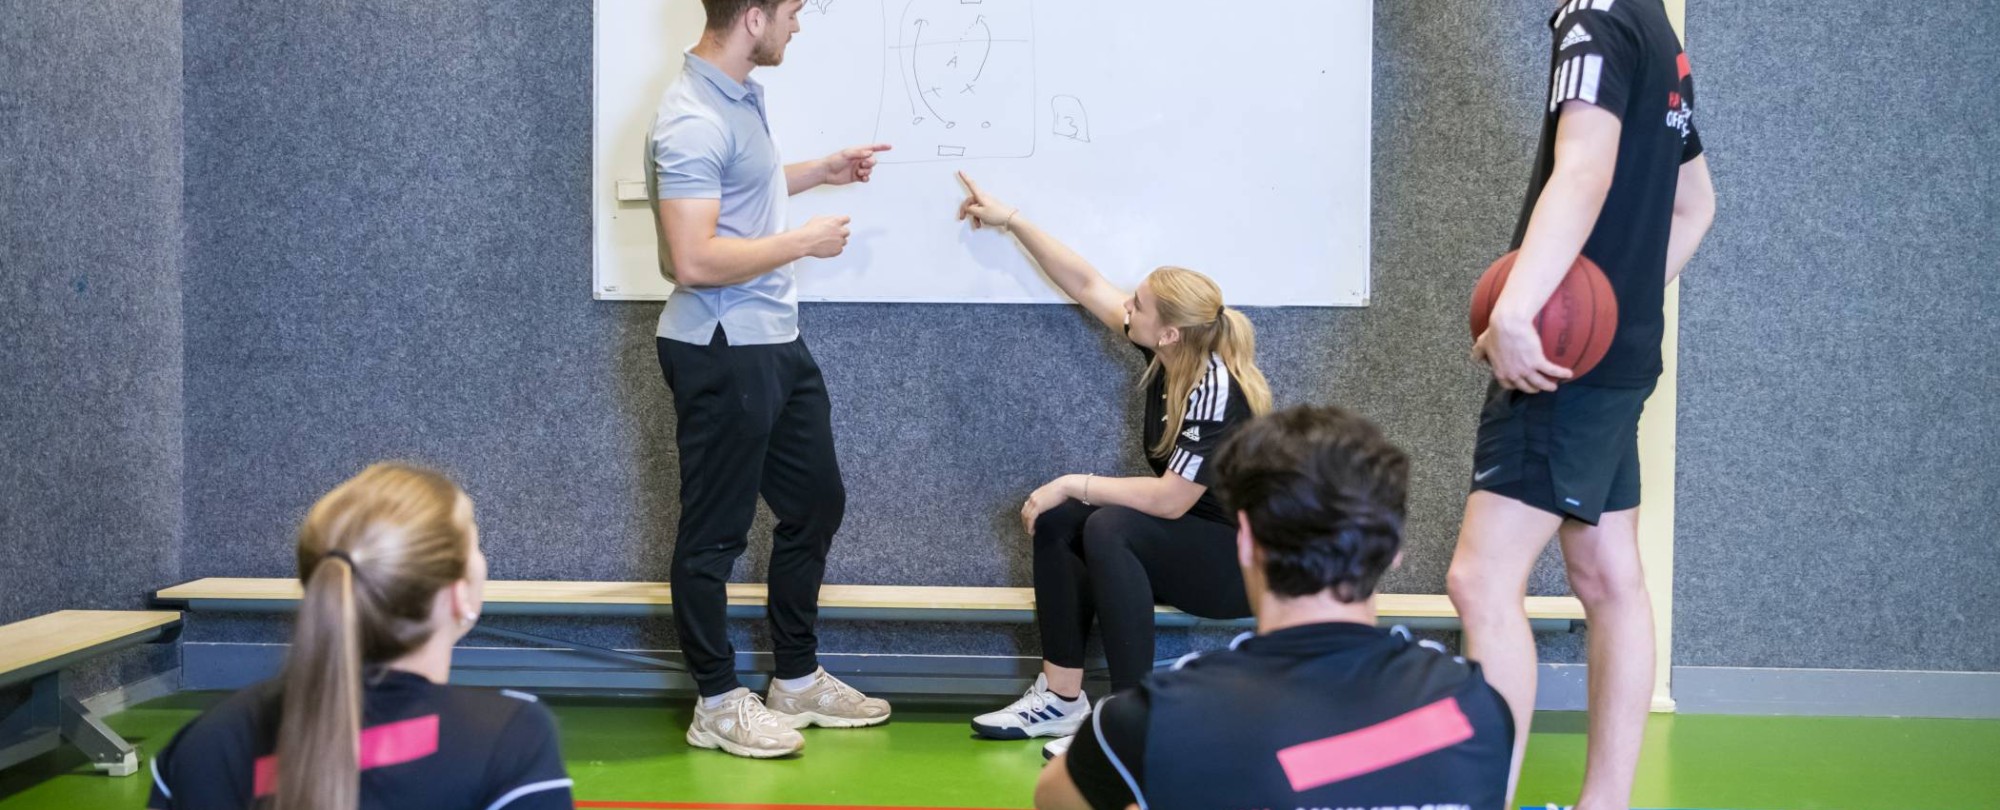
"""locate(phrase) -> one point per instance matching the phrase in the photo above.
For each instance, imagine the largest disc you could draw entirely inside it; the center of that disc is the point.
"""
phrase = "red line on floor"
(722, 806)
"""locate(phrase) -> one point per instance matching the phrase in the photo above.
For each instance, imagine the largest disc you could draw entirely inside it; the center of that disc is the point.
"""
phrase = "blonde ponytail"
(1192, 303)
(373, 555)
(1236, 341)
(320, 728)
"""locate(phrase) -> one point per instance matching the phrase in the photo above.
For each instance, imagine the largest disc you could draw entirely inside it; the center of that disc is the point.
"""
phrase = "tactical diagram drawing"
(961, 81)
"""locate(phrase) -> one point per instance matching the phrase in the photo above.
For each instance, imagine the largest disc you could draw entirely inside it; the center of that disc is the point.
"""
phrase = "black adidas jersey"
(1318, 716)
(424, 746)
(1214, 410)
(1624, 57)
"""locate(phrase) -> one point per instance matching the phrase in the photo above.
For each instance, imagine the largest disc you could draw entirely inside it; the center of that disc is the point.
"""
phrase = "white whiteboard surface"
(1230, 140)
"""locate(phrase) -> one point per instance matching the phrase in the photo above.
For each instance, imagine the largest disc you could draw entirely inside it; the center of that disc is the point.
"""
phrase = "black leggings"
(1113, 564)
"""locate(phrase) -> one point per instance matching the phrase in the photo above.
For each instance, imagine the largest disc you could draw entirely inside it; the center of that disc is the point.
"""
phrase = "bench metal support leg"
(51, 716)
(108, 752)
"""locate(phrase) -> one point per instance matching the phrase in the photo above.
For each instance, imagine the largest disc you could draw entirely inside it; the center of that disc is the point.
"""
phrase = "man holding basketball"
(1620, 180)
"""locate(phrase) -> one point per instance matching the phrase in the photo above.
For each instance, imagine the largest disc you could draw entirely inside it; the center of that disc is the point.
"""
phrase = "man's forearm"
(804, 176)
(723, 261)
(1684, 239)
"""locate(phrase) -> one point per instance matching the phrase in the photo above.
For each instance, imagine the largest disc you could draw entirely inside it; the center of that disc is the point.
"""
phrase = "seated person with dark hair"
(1319, 708)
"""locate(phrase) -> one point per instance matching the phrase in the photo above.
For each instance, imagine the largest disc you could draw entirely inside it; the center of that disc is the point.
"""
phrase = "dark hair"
(1324, 491)
(724, 13)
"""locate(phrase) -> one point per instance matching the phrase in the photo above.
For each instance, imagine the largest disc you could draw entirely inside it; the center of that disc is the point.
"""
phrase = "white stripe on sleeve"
(1593, 69)
(537, 787)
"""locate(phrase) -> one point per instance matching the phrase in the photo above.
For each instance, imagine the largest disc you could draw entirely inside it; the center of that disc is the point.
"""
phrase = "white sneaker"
(1057, 747)
(742, 726)
(827, 703)
(1039, 713)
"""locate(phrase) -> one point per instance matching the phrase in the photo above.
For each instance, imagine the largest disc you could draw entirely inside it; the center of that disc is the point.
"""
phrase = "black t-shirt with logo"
(424, 746)
(1214, 410)
(1624, 57)
(1322, 715)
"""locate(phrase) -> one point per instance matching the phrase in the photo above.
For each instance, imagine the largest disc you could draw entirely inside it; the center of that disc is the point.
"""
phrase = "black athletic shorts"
(1573, 452)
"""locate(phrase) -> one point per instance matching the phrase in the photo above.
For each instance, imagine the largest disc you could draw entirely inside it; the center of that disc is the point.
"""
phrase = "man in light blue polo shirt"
(751, 407)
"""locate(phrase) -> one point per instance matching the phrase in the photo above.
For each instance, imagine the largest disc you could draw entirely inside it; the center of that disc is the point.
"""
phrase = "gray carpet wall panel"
(1840, 393)
(90, 311)
(389, 256)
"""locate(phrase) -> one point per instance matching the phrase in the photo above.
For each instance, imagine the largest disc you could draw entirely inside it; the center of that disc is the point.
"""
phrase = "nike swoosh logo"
(1483, 476)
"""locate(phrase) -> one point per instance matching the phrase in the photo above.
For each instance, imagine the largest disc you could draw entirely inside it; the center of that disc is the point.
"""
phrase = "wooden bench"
(557, 664)
(851, 602)
(36, 651)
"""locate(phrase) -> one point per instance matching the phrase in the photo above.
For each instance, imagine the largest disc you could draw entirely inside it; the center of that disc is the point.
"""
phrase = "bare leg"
(1497, 547)
(1063, 680)
(1606, 575)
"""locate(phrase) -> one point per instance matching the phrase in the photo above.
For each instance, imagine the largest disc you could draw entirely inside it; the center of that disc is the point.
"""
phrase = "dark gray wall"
(389, 257)
(1840, 393)
(90, 305)
(388, 250)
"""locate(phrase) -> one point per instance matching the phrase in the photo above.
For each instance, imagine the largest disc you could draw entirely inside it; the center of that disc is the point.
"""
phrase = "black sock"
(1066, 698)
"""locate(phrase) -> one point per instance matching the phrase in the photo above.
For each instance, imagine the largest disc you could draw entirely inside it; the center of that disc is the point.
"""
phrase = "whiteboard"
(1233, 140)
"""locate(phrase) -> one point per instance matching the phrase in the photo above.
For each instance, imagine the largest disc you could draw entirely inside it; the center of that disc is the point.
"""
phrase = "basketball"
(1576, 325)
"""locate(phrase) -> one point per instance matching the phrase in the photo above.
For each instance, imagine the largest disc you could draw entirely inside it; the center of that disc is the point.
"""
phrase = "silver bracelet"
(1009, 224)
(1086, 488)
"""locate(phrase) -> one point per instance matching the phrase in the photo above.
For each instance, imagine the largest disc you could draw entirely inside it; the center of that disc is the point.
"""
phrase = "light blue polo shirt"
(711, 140)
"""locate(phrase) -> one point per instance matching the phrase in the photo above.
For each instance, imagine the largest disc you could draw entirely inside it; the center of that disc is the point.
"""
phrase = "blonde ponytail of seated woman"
(1195, 324)
(391, 566)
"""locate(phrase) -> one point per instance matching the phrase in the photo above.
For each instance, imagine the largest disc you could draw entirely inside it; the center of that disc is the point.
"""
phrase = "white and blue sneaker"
(1057, 747)
(1039, 713)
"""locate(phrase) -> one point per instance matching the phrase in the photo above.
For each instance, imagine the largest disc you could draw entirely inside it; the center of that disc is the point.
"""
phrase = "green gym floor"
(628, 753)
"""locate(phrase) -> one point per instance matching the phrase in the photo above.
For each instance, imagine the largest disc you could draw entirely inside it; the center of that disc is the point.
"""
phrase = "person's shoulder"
(690, 101)
(496, 702)
(497, 709)
(1429, 671)
(1204, 669)
(1598, 24)
(1426, 656)
(1624, 11)
(250, 707)
(685, 107)
(1125, 709)
(1214, 395)
(241, 720)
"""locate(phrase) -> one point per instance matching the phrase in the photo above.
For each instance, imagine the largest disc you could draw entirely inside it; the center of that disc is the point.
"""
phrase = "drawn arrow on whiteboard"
(916, 70)
(980, 22)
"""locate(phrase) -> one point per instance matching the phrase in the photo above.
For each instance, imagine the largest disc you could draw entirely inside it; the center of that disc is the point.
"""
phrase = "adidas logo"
(1577, 36)
(1193, 434)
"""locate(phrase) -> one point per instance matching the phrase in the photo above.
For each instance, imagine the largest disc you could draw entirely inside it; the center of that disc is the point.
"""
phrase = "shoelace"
(759, 719)
(843, 690)
(1037, 700)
